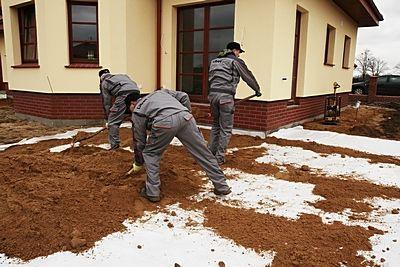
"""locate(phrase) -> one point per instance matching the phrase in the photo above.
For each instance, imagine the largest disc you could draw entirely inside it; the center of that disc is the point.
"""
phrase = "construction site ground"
(312, 195)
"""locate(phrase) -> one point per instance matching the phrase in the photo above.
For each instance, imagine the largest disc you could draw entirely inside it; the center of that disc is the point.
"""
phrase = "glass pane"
(85, 51)
(220, 38)
(83, 13)
(191, 63)
(191, 84)
(192, 18)
(191, 41)
(30, 53)
(222, 16)
(30, 35)
(211, 56)
(84, 32)
(29, 16)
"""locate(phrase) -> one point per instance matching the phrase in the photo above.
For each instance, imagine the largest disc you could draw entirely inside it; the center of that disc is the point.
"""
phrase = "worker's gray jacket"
(155, 107)
(225, 72)
(113, 85)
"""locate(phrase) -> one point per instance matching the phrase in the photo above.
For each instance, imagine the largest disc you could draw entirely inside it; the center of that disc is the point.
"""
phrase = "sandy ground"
(294, 203)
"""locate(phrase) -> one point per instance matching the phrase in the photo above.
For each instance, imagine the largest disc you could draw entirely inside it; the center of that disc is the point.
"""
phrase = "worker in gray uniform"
(122, 88)
(166, 114)
(224, 75)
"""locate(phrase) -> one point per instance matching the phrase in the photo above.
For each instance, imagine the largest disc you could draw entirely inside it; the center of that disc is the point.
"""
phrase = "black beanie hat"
(103, 71)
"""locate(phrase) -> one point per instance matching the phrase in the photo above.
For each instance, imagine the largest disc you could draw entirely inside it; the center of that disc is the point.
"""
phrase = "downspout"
(159, 8)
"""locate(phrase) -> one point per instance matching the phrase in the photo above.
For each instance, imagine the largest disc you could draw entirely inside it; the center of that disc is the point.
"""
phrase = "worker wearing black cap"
(123, 89)
(224, 75)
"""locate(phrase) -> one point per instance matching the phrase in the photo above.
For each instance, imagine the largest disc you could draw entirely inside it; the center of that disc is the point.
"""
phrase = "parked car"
(387, 85)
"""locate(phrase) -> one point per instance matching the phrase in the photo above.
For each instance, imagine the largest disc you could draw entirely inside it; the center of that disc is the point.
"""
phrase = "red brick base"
(267, 116)
(58, 106)
(255, 115)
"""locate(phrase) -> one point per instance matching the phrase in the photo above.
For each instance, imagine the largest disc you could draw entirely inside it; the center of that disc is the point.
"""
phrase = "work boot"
(219, 193)
(149, 198)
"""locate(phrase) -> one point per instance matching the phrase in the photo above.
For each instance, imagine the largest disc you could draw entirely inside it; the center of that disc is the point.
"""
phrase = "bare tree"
(363, 62)
(396, 69)
(377, 66)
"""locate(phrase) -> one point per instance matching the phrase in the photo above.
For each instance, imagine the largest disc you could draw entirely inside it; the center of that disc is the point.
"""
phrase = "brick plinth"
(255, 115)
(267, 116)
(59, 106)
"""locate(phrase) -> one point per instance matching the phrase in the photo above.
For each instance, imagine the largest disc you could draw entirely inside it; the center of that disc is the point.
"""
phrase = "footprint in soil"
(138, 207)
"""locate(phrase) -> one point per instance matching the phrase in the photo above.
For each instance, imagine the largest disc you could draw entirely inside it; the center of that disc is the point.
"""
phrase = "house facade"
(51, 52)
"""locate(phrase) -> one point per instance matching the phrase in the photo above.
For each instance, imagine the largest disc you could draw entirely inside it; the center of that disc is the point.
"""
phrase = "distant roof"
(364, 12)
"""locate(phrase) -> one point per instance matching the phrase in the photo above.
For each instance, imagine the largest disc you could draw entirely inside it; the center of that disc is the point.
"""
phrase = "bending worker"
(224, 75)
(166, 114)
(122, 88)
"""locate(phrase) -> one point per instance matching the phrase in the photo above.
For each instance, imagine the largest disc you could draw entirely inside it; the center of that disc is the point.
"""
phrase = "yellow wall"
(119, 31)
(3, 57)
(266, 31)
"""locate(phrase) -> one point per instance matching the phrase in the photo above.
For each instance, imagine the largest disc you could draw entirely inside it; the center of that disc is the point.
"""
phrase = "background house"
(52, 50)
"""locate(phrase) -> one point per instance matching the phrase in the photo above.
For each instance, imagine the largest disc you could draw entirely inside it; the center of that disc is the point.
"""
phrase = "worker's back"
(117, 84)
(223, 77)
(160, 104)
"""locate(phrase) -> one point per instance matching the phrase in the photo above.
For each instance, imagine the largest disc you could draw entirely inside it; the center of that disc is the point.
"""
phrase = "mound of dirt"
(373, 121)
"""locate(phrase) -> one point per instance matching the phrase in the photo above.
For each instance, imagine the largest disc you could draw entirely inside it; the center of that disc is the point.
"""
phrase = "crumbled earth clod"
(170, 225)
(305, 168)
(221, 264)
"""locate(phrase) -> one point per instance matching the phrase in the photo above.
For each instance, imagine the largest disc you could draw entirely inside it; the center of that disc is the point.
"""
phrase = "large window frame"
(330, 46)
(71, 41)
(206, 54)
(25, 31)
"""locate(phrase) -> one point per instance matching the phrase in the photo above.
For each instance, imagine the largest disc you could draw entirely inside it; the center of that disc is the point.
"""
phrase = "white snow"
(265, 194)
(61, 148)
(360, 143)
(333, 164)
(239, 131)
(160, 246)
(66, 135)
(3, 96)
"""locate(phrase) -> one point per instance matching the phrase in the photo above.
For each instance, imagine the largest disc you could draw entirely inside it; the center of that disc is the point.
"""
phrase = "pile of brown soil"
(51, 202)
(371, 121)
(304, 242)
(67, 201)
(13, 129)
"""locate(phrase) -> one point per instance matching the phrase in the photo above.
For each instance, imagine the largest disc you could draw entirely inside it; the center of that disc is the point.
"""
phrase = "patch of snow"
(333, 164)
(239, 131)
(3, 96)
(34, 140)
(160, 246)
(127, 124)
(176, 142)
(360, 143)
(58, 149)
(265, 194)
(386, 246)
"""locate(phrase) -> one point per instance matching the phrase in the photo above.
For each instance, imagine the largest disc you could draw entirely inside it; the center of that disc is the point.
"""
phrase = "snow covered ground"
(150, 242)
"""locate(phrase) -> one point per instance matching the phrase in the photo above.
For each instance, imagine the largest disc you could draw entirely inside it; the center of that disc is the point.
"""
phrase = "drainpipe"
(159, 8)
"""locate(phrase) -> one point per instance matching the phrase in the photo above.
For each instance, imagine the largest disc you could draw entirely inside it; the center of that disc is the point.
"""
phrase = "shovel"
(74, 140)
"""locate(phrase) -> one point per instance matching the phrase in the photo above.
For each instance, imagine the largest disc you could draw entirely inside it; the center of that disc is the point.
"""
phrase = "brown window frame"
(22, 37)
(329, 46)
(73, 60)
(346, 52)
(206, 32)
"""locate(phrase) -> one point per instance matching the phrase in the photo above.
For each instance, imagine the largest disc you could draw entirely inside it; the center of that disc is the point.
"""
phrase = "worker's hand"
(136, 167)
(258, 94)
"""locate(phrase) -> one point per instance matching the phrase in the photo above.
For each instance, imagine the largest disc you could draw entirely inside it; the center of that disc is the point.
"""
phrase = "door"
(296, 56)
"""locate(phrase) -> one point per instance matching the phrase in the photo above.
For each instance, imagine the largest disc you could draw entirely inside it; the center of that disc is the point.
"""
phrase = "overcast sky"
(384, 40)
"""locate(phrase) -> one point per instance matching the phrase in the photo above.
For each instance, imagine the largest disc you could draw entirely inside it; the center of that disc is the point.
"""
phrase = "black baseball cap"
(234, 45)
(103, 71)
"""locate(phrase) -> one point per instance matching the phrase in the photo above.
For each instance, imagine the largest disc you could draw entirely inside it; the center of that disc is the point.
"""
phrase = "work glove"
(258, 94)
(135, 168)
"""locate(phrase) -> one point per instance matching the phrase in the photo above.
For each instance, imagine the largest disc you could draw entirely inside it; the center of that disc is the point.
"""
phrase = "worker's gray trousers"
(222, 109)
(115, 119)
(183, 126)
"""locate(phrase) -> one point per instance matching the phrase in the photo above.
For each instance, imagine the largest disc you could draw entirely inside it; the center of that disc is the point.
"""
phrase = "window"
(203, 31)
(330, 45)
(346, 52)
(27, 31)
(83, 32)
